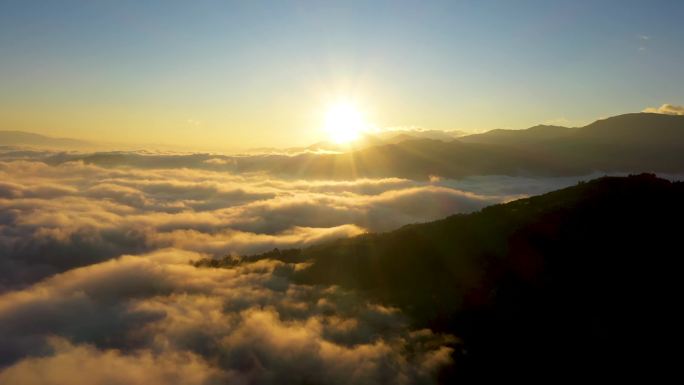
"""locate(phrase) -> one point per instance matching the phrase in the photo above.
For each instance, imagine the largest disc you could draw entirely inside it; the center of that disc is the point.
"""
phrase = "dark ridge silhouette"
(635, 128)
(639, 141)
(532, 135)
(573, 283)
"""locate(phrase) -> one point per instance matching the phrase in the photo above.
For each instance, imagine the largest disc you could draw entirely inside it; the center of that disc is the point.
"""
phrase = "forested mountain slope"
(580, 279)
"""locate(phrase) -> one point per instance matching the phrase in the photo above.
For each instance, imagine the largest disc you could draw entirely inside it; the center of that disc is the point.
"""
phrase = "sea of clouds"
(96, 285)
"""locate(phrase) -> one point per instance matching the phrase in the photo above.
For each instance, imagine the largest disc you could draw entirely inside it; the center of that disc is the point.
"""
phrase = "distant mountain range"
(21, 138)
(365, 141)
(573, 283)
(637, 129)
(639, 142)
(625, 143)
(29, 139)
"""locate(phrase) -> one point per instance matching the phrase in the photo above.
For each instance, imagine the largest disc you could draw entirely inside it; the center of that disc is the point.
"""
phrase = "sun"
(344, 123)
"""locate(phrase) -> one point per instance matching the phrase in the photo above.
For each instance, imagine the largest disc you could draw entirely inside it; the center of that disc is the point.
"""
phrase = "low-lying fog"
(96, 283)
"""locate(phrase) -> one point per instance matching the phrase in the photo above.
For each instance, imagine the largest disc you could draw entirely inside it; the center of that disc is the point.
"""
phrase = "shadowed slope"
(532, 135)
(629, 142)
(577, 280)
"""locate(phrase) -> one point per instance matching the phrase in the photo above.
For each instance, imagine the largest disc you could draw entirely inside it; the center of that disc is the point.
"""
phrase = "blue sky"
(258, 73)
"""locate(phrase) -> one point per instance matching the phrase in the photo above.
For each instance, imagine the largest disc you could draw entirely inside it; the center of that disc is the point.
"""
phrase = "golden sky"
(236, 76)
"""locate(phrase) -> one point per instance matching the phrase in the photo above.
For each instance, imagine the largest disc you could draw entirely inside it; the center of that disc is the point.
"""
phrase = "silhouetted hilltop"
(532, 135)
(629, 142)
(635, 128)
(569, 283)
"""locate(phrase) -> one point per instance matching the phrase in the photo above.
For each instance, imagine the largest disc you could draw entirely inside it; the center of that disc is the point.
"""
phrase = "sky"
(235, 75)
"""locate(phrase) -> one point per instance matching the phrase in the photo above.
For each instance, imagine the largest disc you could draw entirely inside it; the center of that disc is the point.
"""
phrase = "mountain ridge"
(520, 283)
(629, 143)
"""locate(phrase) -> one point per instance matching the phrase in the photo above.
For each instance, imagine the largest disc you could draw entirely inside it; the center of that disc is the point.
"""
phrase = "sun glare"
(344, 123)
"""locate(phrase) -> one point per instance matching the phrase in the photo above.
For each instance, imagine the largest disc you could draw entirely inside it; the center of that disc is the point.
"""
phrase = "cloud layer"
(96, 288)
(668, 109)
(56, 217)
(155, 319)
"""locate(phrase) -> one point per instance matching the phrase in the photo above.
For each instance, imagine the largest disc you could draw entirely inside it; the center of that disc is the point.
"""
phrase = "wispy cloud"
(565, 122)
(644, 41)
(668, 109)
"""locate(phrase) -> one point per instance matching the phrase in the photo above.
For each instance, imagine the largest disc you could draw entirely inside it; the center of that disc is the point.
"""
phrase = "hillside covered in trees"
(569, 283)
